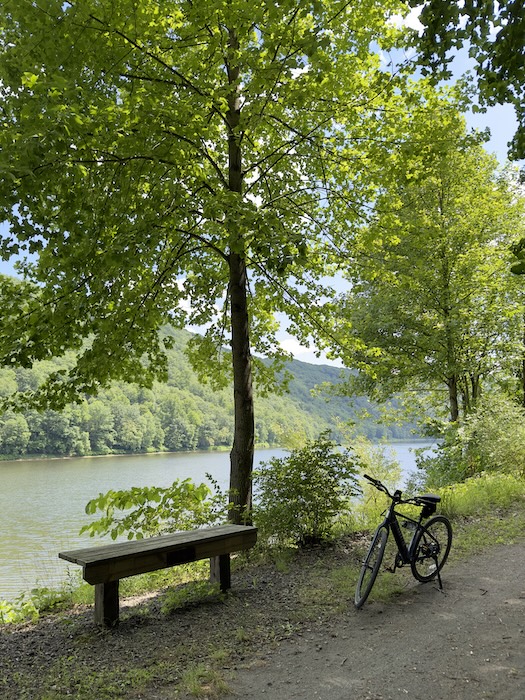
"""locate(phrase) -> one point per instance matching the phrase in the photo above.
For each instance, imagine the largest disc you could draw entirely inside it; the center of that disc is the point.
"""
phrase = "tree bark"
(523, 366)
(452, 384)
(241, 456)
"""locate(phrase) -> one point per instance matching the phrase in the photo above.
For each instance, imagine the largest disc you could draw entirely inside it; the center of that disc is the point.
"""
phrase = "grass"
(30, 606)
(203, 682)
(482, 494)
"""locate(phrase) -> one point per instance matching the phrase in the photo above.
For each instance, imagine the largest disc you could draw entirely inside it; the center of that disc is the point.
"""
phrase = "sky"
(500, 120)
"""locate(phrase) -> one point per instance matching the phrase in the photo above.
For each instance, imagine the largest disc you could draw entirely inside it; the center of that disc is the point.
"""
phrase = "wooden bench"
(104, 566)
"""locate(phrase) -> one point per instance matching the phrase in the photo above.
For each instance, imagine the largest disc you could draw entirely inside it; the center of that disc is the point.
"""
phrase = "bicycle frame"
(406, 552)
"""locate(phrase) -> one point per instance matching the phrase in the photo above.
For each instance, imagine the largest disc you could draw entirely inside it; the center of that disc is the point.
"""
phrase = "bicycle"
(427, 551)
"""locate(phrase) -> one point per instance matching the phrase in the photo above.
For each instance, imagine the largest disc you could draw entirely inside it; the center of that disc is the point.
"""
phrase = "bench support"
(107, 598)
(106, 604)
(104, 566)
(220, 571)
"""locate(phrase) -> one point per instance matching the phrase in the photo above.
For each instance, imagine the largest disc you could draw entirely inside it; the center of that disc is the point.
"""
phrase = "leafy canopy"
(432, 304)
(494, 33)
(117, 124)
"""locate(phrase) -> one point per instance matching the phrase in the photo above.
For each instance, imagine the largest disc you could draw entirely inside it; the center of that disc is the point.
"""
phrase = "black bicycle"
(427, 551)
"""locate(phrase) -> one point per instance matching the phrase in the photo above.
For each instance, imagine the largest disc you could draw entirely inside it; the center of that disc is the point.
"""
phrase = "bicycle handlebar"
(379, 485)
(397, 494)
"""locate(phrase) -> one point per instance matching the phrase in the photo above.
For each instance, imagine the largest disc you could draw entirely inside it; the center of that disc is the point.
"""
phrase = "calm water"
(42, 504)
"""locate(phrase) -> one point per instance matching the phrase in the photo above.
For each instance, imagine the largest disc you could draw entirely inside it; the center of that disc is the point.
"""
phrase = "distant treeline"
(182, 414)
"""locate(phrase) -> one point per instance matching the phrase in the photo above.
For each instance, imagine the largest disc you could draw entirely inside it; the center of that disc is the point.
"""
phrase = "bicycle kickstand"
(439, 578)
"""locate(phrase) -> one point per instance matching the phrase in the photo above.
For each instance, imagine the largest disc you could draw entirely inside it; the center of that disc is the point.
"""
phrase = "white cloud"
(304, 354)
(411, 20)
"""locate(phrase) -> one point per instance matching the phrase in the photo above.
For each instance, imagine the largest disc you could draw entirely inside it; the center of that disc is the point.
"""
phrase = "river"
(42, 503)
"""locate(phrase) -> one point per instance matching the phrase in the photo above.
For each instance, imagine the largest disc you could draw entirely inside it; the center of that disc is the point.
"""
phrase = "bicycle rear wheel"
(371, 564)
(431, 548)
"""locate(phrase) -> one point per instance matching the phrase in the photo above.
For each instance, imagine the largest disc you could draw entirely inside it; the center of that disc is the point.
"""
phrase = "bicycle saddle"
(429, 498)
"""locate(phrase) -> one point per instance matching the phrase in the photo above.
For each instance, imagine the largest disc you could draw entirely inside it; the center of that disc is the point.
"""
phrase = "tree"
(100, 425)
(495, 35)
(432, 302)
(190, 162)
(14, 434)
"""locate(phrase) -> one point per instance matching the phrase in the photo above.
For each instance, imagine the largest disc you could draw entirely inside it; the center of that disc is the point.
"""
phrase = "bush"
(481, 494)
(299, 497)
(150, 510)
(490, 440)
(21, 610)
(494, 437)
(380, 462)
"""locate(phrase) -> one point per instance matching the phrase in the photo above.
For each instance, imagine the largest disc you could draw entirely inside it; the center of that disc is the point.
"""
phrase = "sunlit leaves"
(145, 511)
(494, 34)
(432, 300)
(115, 129)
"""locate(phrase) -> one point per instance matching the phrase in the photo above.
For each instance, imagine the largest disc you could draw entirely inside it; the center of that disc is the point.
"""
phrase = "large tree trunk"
(241, 456)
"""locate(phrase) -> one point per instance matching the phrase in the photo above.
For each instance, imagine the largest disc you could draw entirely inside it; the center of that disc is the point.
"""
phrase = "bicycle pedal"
(391, 569)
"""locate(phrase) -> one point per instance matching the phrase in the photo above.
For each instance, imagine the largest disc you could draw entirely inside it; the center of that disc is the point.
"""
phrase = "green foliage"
(299, 497)
(492, 439)
(518, 251)
(22, 610)
(493, 33)
(432, 307)
(15, 434)
(181, 415)
(119, 141)
(379, 462)
(481, 494)
(494, 436)
(149, 510)
(30, 606)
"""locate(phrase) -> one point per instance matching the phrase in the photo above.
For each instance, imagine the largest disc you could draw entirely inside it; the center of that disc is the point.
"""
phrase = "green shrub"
(22, 610)
(379, 462)
(490, 440)
(150, 510)
(494, 437)
(481, 494)
(299, 497)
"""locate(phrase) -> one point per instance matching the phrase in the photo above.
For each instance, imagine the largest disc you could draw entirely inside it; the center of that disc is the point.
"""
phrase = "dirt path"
(467, 643)
(279, 636)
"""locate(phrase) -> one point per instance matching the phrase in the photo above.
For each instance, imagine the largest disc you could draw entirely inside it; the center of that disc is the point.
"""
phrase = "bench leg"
(106, 604)
(220, 571)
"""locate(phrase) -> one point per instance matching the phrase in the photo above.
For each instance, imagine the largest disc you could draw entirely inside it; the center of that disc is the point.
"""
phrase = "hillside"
(182, 414)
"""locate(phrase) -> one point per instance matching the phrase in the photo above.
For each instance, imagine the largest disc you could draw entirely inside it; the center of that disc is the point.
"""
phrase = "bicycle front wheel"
(431, 548)
(371, 564)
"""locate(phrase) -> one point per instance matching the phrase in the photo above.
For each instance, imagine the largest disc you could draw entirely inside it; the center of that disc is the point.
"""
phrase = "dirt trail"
(278, 636)
(467, 643)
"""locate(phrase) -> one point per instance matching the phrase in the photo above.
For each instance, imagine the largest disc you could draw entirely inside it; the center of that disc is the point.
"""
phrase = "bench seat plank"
(118, 560)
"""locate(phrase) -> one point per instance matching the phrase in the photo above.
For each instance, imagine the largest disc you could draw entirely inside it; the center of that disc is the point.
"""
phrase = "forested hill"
(182, 414)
